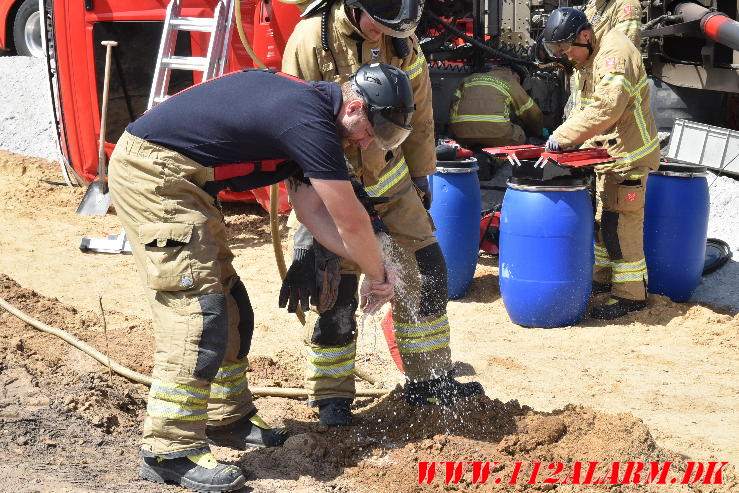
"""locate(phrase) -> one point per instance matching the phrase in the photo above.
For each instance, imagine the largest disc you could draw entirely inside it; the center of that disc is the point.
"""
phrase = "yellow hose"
(145, 379)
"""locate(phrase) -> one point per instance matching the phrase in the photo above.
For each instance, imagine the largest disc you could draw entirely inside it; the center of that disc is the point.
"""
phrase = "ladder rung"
(202, 24)
(185, 63)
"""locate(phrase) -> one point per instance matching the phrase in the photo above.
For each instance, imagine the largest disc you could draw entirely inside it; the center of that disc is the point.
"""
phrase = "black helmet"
(387, 92)
(397, 18)
(563, 26)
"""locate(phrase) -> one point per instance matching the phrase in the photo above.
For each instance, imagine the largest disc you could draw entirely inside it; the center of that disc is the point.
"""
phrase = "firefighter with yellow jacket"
(329, 44)
(613, 113)
(623, 15)
(484, 106)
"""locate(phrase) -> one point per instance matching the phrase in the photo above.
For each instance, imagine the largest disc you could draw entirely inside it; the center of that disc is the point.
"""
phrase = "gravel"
(27, 128)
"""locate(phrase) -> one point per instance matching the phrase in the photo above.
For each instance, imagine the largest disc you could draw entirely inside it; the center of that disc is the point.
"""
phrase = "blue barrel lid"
(468, 165)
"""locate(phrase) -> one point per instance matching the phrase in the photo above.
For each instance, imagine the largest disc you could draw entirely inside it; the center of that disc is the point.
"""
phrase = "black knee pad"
(246, 317)
(337, 327)
(609, 231)
(213, 339)
(432, 266)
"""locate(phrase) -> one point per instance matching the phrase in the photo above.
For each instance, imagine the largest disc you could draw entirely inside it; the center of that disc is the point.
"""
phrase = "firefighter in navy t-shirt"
(240, 131)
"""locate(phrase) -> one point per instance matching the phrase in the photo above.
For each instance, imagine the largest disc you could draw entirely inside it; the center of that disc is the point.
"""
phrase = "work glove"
(378, 226)
(299, 284)
(422, 182)
(552, 144)
(328, 277)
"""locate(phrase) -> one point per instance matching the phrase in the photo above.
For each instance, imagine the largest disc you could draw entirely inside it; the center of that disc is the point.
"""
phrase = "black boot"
(617, 307)
(601, 287)
(249, 431)
(444, 391)
(334, 411)
(201, 472)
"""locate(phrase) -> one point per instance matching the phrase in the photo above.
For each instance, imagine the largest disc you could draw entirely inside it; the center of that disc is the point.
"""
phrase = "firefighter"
(240, 131)
(484, 105)
(328, 45)
(614, 113)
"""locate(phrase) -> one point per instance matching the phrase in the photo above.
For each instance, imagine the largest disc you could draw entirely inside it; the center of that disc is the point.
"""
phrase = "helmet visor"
(397, 18)
(391, 126)
(557, 49)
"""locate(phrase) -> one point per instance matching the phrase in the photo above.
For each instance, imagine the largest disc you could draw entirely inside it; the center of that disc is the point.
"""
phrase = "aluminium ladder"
(212, 64)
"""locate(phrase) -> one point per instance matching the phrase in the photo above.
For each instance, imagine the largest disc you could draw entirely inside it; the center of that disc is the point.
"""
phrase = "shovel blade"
(96, 201)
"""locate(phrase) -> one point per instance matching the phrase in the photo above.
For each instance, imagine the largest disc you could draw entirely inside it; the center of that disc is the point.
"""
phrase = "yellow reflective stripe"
(231, 370)
(616, 278)
(638, 154)
(389, 179)
(416, 67)
(334, 371)
(176, 412)
(627, 25)
(586, 101)
(228, 390)
(526, 106)
(173, 388)
(635, 176)
(617, 79)
(409, 327)
(177, 398)
(630, 266)
(423, 345)
(479, 118)
(331, 354)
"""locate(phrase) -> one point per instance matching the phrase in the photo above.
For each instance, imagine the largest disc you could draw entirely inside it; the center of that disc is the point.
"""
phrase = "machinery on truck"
(690, 49)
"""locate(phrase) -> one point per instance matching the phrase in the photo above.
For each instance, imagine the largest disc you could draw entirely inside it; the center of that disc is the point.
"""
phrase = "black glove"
(300, 281)
(328, 277)
(378, 226)
(422, 182)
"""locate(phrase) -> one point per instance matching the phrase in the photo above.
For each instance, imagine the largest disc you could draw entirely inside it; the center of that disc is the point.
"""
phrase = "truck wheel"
(27, 29)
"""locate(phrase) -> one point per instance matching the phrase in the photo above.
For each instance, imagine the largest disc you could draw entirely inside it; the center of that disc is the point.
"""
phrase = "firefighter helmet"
(563, 26)
(388, 95)
(397, 18)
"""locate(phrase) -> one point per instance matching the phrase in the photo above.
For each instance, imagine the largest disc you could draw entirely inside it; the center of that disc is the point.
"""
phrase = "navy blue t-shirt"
(252, 116)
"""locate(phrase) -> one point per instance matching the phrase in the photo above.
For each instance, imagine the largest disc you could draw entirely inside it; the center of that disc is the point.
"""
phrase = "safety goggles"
(559, 49)
(390, 125)
(398, 18)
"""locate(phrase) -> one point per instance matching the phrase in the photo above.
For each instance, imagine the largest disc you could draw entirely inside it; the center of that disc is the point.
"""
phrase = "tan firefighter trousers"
(619, 246)
(201, 311)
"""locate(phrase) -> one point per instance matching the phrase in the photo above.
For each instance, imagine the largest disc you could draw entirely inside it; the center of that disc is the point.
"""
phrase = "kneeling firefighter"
(254, 128)
(331, 41)
(613, 112)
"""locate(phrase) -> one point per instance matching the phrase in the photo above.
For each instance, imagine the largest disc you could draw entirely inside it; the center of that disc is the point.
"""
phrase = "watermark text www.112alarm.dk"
(585, 473)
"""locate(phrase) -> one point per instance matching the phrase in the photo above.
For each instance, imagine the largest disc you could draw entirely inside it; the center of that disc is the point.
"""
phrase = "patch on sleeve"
(613, 64)
(629, 10)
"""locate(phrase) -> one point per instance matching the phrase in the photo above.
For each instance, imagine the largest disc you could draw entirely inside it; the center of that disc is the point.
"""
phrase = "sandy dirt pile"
(661, 385)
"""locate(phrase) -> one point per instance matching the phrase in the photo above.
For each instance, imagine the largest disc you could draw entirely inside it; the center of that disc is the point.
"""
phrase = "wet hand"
(375, 293)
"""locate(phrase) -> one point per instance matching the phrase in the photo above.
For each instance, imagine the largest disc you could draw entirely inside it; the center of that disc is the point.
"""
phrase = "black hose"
(475, 42)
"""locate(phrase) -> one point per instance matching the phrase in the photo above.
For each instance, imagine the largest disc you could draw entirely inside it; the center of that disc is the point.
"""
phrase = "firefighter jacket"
(305, 57)
(612, 108)
(484, 104)
(623, 15)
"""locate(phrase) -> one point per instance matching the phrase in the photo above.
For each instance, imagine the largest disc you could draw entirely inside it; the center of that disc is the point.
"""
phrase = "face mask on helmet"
(397, 18)
(390, 125)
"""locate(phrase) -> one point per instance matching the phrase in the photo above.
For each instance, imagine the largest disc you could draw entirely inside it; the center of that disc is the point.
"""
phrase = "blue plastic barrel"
(455, 210)
(546, 253)
(675, 228)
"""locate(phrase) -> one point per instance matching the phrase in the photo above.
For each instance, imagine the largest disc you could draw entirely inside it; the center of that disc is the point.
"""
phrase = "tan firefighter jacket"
(304, 57)
(624, 15)
(484, 104)
(613, 107)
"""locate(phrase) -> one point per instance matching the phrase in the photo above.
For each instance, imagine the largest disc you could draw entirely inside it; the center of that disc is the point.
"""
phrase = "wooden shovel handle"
(104, 111)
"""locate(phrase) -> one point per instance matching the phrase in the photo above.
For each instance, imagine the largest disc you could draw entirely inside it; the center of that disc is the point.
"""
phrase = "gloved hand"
(328, 276)
(422, 182)
(299, 284)
(552, 144)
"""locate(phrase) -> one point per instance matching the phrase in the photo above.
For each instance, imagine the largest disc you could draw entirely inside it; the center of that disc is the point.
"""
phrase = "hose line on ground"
(137, 377)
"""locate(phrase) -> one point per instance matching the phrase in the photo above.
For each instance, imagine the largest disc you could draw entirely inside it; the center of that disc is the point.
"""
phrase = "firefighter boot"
(601, 287)
(249, 431)
(334, 411)
(616, 307)
(201, 472)
(445, 391)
